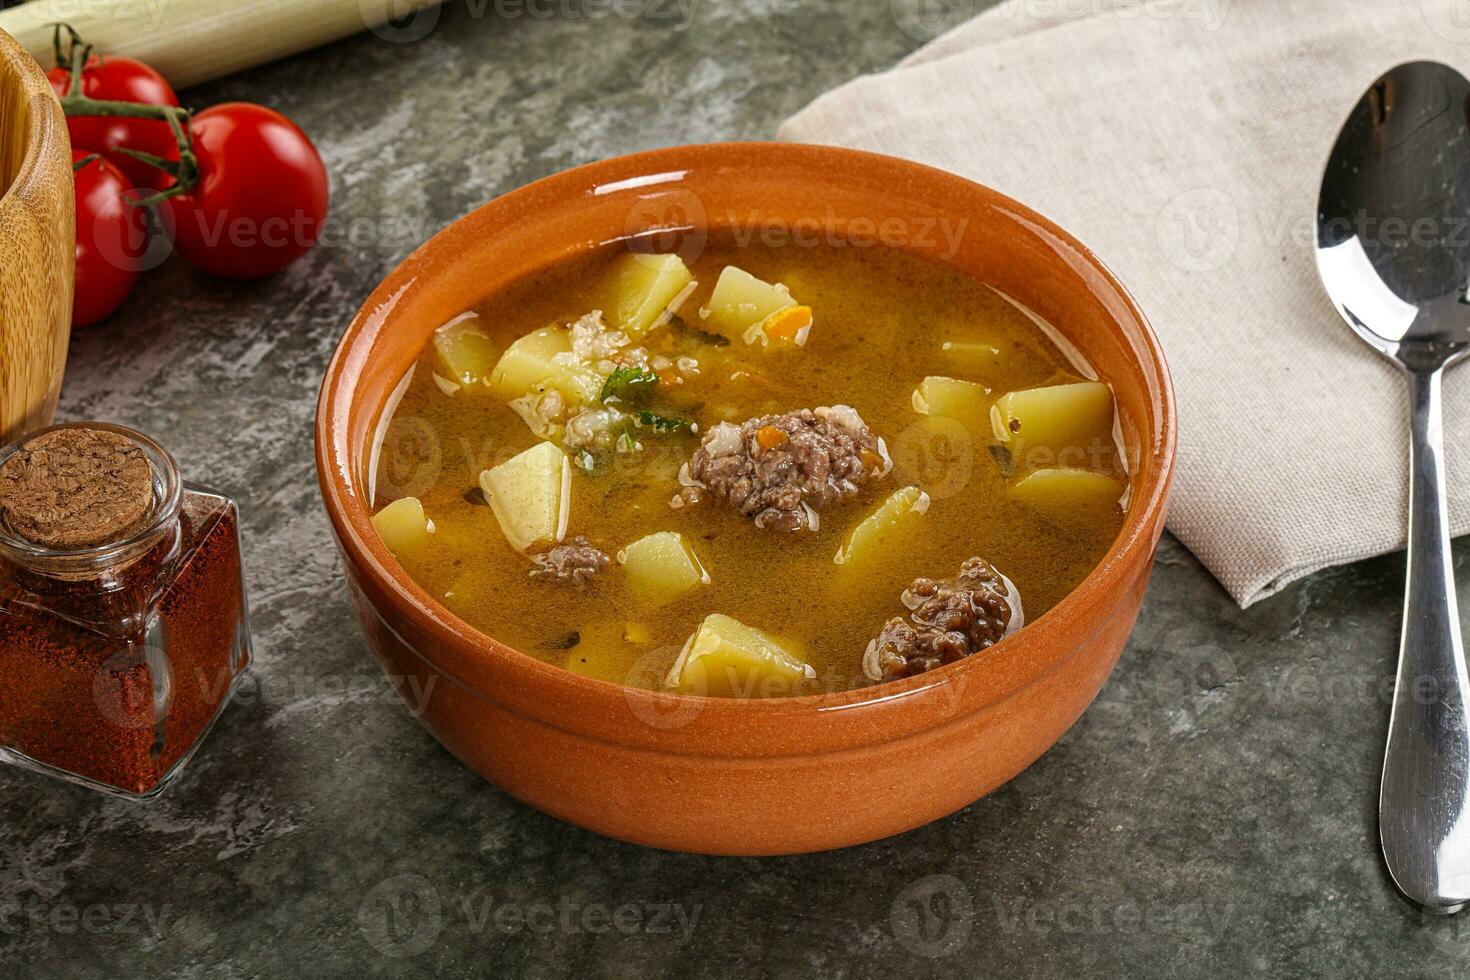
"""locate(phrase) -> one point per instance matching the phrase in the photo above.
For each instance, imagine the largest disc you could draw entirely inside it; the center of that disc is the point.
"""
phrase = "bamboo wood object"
(37, 215)
(193, 41)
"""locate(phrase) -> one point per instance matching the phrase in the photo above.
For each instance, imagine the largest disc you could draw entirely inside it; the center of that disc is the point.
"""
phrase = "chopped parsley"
(664, 424)
(632, 383)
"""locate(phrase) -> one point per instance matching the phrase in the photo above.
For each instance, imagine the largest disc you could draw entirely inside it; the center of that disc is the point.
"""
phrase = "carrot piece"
(770, 437)
(787, 326)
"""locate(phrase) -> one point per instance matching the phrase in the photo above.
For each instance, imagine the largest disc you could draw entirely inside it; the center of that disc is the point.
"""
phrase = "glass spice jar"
(123, 621)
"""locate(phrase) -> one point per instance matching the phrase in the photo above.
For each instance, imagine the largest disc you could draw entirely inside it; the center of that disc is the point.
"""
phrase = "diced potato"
(990, 360)
(661, 566)
(740, 301)
(533, 363)
(901, 507)
(726, 658)
(645, 286)
(637, 633)
(1063, 491)
(530, 495)
(402, 524)
(465, 351)
(1057, 416)
(972, 355)
(950, 397)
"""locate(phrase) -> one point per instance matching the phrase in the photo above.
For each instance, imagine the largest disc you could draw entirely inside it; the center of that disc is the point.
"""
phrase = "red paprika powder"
(123, 620)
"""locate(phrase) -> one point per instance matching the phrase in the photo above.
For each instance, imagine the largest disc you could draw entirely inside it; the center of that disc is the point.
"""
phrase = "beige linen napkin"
(1183, 141)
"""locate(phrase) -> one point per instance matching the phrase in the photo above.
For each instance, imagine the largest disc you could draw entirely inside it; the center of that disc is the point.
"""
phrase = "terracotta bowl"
(36, 243)
(756, 776)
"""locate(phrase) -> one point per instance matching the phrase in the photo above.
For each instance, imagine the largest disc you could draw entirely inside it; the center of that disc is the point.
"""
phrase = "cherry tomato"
(261, 196)
(122, 80)
(111, 237)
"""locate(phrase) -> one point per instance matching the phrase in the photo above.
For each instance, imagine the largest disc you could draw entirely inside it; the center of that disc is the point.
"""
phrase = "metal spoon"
(1393, 250)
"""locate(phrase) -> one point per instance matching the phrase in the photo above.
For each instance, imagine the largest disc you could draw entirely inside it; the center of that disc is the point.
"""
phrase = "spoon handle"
(1424, 803)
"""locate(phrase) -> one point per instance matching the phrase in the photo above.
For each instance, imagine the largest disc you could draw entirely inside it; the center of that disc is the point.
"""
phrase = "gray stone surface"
(1212, 814)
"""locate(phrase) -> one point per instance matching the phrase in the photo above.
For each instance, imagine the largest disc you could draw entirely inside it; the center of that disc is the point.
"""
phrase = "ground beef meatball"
(781, 469)
(948, 619)
(575, 562)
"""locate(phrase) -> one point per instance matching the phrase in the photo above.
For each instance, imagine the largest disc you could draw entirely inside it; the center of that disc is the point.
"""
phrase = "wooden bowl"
(37, 243)
(753, 776)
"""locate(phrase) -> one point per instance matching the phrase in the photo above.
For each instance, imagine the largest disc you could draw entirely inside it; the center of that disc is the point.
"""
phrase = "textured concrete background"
(1212, 814)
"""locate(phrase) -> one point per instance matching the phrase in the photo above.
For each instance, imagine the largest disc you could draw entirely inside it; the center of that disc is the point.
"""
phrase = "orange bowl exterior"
(755, 776)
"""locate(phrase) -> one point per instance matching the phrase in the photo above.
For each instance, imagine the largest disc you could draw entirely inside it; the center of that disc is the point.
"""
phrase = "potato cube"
(973, 355)
(901, 507)
(465, 351)
(726, 658)
(741, 301)
(543, 359)
(645, 286)
(1062, 491)
(402, 525)
(530, 495)
(661, 566)
(964, 400)
(1056, 416)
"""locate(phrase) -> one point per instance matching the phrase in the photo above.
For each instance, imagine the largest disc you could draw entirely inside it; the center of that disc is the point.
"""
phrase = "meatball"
(781, 469)
(575, 562)
(948, 619)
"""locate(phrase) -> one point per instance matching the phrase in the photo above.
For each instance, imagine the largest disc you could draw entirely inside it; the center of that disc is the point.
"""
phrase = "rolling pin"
(193, 41)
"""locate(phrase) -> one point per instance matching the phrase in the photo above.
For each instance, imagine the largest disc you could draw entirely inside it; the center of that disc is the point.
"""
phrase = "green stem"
(159, 163)
(77, 104)
(63, 60)
(81, 105)
(185, 172)
(160, 196)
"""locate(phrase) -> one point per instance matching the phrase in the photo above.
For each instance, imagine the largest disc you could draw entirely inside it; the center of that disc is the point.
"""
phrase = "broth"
(882, 321)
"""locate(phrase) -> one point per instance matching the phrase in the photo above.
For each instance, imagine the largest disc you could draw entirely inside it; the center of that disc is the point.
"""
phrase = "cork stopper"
(74, 488)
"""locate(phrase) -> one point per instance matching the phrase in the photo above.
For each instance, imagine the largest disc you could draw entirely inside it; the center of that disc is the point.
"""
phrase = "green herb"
(632, 384)
(664, 424)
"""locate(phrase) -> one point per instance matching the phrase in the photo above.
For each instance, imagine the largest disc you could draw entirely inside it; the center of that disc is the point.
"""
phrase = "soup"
(757, 470)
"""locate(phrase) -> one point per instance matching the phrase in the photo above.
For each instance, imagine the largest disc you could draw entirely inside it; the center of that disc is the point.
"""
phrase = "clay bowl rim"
(19, 69)
(557, 688)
